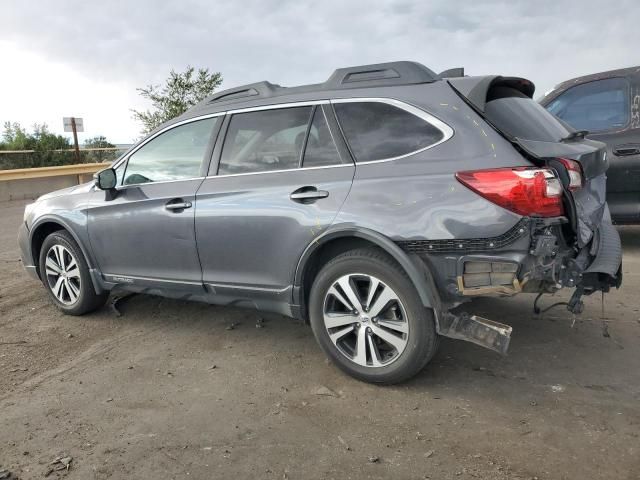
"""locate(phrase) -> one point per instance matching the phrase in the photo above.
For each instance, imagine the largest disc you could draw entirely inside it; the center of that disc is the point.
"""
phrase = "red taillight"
(527, 191)
(575, 173)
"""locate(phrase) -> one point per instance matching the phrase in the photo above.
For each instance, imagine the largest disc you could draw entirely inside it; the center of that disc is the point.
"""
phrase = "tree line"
(49, 149)
(180, 91)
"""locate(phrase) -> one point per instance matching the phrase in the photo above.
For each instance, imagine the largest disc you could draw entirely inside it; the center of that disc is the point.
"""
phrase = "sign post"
(75, 125)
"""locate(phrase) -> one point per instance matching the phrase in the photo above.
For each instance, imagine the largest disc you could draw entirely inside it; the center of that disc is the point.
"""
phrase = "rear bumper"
(533, 257)
(604, 270)
(608, 248)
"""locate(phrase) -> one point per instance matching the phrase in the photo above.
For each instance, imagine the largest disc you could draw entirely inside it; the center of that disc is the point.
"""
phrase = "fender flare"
(417, 270)
(48, 218)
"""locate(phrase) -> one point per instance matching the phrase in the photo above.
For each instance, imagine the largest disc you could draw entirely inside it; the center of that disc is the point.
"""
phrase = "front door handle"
(177, 205)
(308, 194)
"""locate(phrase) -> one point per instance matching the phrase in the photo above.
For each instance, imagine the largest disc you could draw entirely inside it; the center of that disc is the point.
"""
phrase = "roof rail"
(380, 74)
(375, 75)
(452, 73)
(262, 89)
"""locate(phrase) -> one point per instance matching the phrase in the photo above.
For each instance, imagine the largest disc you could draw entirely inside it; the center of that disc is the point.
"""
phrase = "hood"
(76, 189)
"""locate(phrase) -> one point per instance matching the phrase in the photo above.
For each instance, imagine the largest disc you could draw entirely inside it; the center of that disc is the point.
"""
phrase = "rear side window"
(594, 106)
(320, 150)
(264, 140)
(379, 131)
(521, 117)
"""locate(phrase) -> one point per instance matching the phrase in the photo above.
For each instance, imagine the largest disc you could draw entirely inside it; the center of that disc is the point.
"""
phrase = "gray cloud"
(293, 42)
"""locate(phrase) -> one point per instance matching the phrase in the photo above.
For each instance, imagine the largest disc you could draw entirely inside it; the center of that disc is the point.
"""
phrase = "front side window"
(321, 149)
(379, 131)
(264, 140)
(176, 154)
(594, 106)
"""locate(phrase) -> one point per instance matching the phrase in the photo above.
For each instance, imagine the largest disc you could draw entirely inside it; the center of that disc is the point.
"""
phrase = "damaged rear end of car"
(565, 237)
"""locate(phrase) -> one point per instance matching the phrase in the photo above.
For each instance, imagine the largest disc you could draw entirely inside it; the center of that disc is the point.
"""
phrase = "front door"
(145, 235)
(623, 176)
(280, 183)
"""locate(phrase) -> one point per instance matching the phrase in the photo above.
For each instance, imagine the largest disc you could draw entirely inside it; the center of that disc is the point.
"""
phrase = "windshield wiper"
(575, 135)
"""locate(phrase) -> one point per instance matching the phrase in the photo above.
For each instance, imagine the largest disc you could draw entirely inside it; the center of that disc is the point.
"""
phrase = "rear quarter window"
(379, 131)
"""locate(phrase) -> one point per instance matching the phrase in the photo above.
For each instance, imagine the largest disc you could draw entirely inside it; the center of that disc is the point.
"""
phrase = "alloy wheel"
(63, 274)
(365, 320)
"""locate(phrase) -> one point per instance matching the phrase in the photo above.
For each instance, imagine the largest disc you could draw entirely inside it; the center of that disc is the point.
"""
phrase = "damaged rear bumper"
(607, 262)
(481, 331)
(533, 256)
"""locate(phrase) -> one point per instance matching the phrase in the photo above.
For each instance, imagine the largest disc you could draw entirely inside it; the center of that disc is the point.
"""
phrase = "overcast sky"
(86, 58)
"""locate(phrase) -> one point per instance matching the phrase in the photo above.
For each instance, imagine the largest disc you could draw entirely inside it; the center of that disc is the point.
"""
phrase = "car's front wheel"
(65, 275)
(368, 318)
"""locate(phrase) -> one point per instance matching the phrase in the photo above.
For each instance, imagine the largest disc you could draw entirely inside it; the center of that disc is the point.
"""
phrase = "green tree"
(180, 92)
(46, 146)
(98, 142)
(98, 156)
(16, 138)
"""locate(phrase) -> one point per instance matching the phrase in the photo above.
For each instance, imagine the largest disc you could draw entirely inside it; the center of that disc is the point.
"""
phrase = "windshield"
(523, 118)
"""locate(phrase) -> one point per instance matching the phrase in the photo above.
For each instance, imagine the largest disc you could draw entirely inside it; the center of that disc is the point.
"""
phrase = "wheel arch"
(336, 241)
(44, 227)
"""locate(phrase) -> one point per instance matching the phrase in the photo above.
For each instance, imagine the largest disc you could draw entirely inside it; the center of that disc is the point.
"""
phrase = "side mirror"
(105, 179)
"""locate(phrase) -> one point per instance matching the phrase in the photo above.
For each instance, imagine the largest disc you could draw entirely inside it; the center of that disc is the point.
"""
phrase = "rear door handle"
(177, 204)
(308, 194)
(626, 150)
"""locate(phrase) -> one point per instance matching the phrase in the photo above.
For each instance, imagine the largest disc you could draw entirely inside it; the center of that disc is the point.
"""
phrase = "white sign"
(66, 121)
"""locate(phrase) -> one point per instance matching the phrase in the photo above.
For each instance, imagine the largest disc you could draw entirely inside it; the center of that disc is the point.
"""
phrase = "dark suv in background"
(369, 205)
(607, 106)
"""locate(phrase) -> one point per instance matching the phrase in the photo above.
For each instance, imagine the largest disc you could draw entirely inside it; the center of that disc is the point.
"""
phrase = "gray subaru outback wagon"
(369, 205)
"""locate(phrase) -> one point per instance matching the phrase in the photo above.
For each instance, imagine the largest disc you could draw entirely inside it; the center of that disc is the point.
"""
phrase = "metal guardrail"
(16, 159)
(40, 172)
(102, 149)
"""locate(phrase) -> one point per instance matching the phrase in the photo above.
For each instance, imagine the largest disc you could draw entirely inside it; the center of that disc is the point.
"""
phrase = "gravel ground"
(168, 390)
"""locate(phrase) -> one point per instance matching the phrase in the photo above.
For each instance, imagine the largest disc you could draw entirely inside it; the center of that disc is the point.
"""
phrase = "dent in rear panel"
(419, 205)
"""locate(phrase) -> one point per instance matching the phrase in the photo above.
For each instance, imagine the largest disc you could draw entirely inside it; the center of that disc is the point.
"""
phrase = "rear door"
(277, 181)
(604, 108)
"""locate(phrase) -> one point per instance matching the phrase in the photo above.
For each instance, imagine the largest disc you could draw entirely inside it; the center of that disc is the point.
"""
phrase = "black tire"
(421, 339)
(87, 299)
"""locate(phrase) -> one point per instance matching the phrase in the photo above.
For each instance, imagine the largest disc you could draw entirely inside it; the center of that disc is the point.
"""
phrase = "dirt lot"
(139, 397)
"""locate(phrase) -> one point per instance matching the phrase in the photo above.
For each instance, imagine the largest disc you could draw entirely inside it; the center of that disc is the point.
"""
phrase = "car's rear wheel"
(65, 274)
(369, 319)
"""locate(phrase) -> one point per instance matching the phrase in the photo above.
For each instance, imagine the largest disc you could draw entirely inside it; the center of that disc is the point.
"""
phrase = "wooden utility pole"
(75, 138)
(75, 125)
